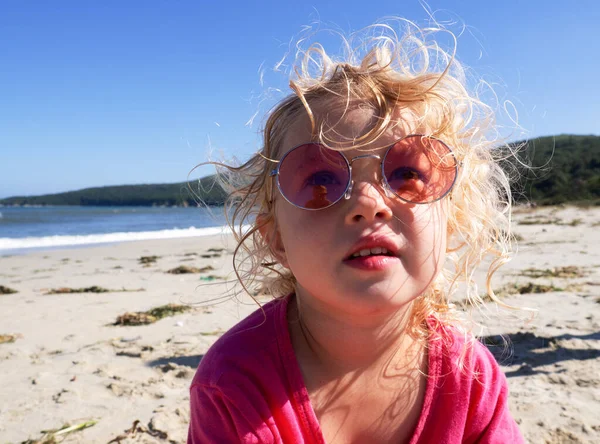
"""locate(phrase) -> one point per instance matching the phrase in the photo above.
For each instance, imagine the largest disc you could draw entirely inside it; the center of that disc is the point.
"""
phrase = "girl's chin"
(375, 299)
(365, 292)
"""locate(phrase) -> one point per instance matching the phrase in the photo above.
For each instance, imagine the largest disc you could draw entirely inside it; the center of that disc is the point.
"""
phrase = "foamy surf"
(105, 238)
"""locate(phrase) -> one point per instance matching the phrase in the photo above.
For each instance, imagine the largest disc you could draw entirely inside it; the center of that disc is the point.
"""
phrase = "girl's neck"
(336, 345)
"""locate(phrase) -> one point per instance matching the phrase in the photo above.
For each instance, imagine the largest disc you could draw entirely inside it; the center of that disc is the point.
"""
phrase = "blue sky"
(110, 92)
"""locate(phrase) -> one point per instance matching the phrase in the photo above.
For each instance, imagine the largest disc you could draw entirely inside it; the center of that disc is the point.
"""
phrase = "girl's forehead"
(338, 128)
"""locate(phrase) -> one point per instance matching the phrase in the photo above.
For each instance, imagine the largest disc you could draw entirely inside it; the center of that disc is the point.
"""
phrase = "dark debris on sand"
(138, 429)
(7, 339)
(92, 289)
(527, 288)
(184, 269)
(150, 316)
(568, 272)
(7, 290)
(147, 260)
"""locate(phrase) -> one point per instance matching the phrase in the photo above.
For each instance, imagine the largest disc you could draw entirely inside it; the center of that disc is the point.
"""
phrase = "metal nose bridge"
(348, 192)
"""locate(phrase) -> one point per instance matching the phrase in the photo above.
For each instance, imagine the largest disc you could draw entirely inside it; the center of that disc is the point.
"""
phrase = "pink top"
(249, 389)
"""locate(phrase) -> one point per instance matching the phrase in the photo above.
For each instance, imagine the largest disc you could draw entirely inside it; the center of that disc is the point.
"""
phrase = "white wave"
(7, 243)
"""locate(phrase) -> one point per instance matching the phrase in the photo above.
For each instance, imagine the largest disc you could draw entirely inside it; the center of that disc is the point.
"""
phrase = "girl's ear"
(269, 232)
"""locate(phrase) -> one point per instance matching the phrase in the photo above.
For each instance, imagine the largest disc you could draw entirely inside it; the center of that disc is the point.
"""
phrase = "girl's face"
(320, 247)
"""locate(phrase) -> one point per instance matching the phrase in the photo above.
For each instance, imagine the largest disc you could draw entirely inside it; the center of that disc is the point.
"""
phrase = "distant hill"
(564, 168)
(177, 194)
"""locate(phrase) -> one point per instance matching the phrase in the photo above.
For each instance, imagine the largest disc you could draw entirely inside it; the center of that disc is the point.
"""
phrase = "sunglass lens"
(313, 177)
(420, 169)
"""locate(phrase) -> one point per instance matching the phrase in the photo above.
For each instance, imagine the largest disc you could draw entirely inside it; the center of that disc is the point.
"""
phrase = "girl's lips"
(372, 263)
(370, 242)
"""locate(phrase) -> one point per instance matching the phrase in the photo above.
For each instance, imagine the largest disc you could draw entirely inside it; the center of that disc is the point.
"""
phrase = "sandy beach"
(64, 362)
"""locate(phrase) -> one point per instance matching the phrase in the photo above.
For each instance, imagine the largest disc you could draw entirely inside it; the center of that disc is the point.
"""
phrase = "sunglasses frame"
(386, 186)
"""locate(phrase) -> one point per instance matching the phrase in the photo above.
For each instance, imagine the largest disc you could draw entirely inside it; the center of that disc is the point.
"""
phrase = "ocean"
(24, 229)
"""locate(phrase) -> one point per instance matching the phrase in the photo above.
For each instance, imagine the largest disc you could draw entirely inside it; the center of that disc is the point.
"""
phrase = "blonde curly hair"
(385, 73)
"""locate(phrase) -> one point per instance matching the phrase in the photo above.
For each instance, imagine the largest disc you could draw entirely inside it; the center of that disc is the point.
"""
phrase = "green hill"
(561, 169)
(564, 168)
(132, 195)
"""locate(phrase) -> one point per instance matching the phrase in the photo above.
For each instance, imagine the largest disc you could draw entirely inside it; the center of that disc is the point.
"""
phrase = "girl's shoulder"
(245, 347)
(467, 392)
(243, 390)
(460, 355)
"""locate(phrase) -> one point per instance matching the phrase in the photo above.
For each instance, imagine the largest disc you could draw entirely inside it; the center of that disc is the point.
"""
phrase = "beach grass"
(51, 436)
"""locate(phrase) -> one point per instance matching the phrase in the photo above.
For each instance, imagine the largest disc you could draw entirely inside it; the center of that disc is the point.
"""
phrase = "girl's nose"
(366, 194)
(368, 202)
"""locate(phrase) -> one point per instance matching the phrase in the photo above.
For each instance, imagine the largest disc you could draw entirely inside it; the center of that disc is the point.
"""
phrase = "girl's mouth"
(372, 261)
(374, 258)
(373, 253)
(376, 251)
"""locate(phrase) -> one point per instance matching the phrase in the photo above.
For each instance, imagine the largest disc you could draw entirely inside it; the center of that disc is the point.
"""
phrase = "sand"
(69, 365)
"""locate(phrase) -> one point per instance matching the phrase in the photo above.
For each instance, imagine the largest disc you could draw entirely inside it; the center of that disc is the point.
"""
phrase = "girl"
(375, 171)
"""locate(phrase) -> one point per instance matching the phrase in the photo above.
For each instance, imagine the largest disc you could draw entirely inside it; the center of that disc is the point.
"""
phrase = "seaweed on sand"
(567, 272)
(184, 269)
(213, 252)
(511, 290)
(529, 287)
(147, 260)
(540, 220)
(6, 290)
(92, 289)
(150, 316)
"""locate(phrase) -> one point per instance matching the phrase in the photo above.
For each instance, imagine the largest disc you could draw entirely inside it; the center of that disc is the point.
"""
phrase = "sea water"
(25, 228)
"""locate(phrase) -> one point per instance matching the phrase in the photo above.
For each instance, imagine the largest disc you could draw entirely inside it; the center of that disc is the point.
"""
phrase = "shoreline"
(25, 245)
